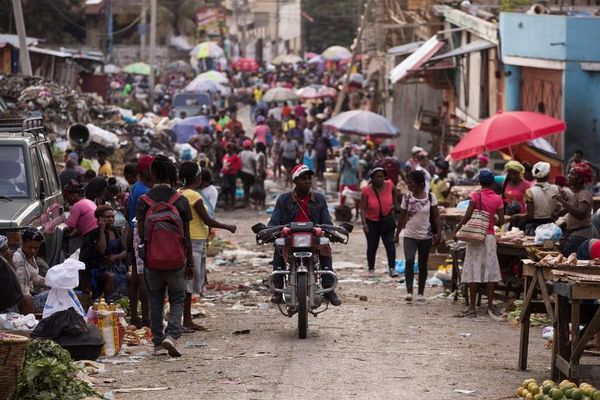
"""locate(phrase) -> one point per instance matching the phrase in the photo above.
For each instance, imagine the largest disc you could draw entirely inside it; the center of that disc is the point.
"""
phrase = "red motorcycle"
(299, 244)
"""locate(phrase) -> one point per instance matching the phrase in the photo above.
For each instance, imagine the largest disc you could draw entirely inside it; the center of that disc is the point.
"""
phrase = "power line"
(84, 29)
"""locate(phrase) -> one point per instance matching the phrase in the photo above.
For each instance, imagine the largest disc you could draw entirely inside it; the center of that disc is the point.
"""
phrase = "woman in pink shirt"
(513, 191)
(377, 201)
(481, 259)
(81, 219)
(82, 222)
(261, 131)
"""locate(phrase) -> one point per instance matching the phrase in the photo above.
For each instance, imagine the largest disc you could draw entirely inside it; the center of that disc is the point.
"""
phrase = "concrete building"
(556, 72)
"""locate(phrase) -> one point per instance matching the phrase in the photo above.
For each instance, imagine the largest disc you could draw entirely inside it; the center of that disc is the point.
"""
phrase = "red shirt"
(302, 213)
(231, 164)
(286, 111)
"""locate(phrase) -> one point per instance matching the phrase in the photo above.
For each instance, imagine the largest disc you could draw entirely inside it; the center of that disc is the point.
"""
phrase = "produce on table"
(551, 260)
(515, 235)
(550, 390)
(50, 373)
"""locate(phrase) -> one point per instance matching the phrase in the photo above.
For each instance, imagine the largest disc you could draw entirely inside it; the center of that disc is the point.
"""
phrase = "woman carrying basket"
(477, 229)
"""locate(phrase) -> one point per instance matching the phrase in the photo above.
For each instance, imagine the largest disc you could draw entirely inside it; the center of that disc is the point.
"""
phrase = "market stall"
(576, 291)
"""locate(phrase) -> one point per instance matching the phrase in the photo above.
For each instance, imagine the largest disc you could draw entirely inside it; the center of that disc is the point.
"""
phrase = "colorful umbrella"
(363, 123)
(246, 64)
(286, 59)
(316, 60)
(203, 85)
(186, 128)
(309, 55)
(280, 94)
(208, 50)
(336, 53)
(316, 92)
(138, 68)
(214, 76)
(506, 129)
(111, 69)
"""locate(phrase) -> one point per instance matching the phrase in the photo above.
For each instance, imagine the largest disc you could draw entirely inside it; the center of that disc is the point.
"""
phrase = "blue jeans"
(159, 283)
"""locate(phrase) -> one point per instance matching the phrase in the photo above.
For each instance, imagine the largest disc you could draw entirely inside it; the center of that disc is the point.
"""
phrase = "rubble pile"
(62, 107)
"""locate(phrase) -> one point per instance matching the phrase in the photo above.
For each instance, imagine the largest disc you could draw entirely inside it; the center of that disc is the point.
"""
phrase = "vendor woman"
(513, 191)
(577, 208)
(540, 199)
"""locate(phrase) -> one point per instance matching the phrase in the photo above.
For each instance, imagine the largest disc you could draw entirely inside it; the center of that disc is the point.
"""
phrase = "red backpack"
(163, 233)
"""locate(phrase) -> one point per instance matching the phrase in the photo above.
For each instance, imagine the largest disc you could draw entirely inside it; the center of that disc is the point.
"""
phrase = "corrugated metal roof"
(49, 52)
(405, 49)
(13, 40)
(477, 45)
(416, 59)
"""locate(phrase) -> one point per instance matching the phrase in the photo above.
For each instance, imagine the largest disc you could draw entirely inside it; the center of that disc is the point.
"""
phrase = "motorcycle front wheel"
(302, 296)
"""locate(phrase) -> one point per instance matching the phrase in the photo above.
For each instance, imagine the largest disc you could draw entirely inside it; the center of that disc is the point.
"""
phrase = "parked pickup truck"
(189, 104)
(30, 192)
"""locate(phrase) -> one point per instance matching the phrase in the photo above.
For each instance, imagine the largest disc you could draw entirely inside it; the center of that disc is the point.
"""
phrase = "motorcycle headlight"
(302, 240)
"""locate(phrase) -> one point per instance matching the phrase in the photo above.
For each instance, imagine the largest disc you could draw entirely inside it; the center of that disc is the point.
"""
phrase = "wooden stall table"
(452, 216)
(534, 278)
(571, 287)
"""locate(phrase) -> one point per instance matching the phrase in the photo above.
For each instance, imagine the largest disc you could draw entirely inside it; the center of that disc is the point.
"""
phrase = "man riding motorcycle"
(303, 205)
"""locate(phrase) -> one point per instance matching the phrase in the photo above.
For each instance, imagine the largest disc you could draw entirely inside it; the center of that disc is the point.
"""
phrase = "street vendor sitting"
(589, 250)
(27, 271)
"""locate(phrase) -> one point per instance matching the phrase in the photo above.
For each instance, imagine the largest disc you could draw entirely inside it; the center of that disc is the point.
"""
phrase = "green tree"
(335, 23)
(52, 20)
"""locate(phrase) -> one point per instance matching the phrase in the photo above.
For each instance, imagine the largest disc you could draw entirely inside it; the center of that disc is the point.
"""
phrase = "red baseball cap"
(299, 170)
(144, 163)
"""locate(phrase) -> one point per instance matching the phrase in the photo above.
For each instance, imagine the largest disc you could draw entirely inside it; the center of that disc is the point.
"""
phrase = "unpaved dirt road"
(381, 348)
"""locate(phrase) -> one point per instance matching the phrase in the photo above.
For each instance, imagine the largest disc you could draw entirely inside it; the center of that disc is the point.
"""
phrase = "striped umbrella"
(203, 85)
(214, 76)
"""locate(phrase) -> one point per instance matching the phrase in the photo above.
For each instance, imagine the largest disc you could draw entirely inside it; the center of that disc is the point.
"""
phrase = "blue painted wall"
(550, 37)
(559, 38)
(581, 105)
(512, 88)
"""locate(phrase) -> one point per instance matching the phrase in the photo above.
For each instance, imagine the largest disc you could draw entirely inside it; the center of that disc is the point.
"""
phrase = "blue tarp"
(187, 128)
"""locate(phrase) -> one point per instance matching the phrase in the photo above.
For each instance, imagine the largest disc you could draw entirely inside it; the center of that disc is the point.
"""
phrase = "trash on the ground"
(141, 389)
(189, 344)
(464, 334)
(464, 391)
(363, 298)
(242, 332)
(91, 367)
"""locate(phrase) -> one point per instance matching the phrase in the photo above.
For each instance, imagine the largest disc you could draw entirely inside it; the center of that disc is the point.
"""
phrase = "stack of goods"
(514, 236)
(50, 373)
(110, 320)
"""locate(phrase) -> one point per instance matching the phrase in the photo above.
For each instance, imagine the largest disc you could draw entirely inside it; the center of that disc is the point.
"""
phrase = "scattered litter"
(464, 391)
(132, 390)
(242, 332)
(464, 334)
(363, 298)
(189, 344)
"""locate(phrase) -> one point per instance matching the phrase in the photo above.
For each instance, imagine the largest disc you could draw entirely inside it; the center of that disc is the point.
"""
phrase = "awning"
(405, 49)
(477, 45)
(49, 52)
(416, 59)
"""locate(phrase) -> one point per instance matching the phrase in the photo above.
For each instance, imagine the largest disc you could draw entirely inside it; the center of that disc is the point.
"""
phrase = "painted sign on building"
(209, 22)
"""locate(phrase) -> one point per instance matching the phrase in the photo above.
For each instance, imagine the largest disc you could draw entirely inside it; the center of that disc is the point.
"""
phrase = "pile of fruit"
(549, 390)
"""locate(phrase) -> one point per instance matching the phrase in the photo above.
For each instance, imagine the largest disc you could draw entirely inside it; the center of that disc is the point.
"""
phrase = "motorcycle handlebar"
(333, 232)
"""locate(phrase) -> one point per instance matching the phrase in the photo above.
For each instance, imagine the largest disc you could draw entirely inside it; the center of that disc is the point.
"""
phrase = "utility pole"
(245, 11)
(143, 30)
(152, 58)
(109, 31)
(277, 16)
(23, 49)
(355, 47)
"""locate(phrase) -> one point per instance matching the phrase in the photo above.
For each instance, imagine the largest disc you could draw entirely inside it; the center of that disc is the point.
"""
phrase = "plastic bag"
(545, 232)
(401, 266)
(62, 279)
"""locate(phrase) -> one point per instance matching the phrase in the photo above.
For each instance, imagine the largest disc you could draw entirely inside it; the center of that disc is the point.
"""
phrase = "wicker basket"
(12, 356)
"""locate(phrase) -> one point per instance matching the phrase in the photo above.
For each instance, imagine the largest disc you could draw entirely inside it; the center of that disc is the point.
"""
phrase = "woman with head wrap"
(577, 208)
(513, 191)
(539, 198)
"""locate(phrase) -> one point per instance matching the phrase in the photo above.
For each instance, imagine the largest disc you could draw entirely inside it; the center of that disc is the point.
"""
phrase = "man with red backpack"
(163, 217)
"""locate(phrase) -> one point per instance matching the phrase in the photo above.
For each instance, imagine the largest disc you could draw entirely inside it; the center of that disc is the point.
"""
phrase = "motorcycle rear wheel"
(302, 305)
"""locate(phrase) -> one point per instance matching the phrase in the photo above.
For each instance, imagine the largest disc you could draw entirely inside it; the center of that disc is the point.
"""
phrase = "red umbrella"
(506, 129)
(246, 64)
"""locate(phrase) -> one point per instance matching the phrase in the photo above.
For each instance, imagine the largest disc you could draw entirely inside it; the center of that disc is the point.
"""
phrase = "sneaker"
(169, 344)
(159, 350)
(372, 272)
(393, 273)
(333, 298)
(408, 297)
(420, 298)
